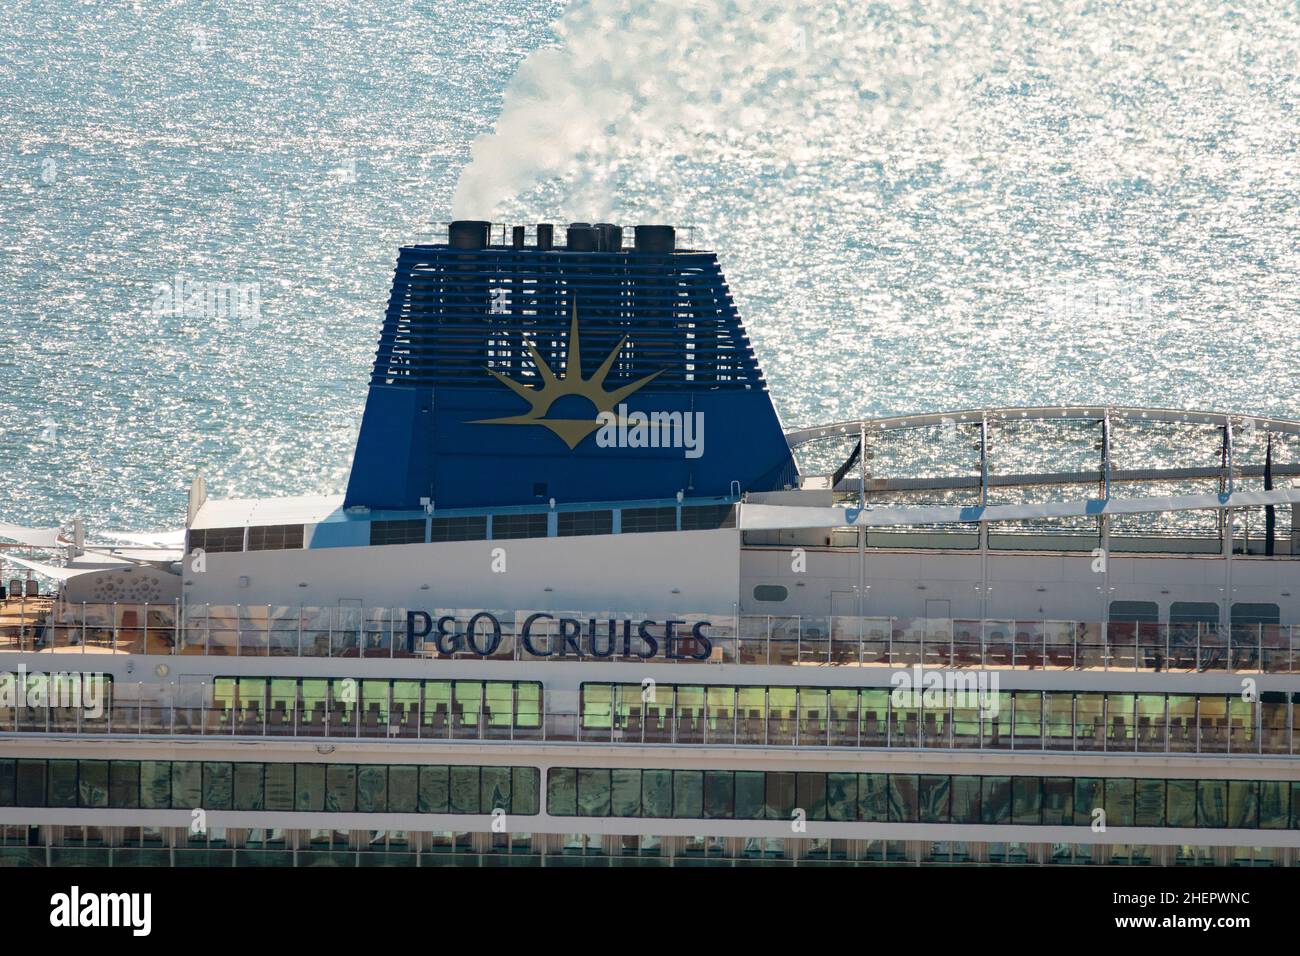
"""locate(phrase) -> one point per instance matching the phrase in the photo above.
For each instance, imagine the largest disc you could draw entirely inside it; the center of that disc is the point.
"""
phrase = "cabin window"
(279, 786)
(572, 523)
(1256, 614)
(247, 786)
(62, 788)
(771, 592)
(341, 787)
(187, 783)
(124, 785)
(649, 519)
(1135, 612)
(562, 792)
(276, 537)
(463, 528)
(307, 787)
(216, 540)
(519, 526)
(708, 517)
(218, 785)
(1193, 612)
(929, 798)
(410, 531)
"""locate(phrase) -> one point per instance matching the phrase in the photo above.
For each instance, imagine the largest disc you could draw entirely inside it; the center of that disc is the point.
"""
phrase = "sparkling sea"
(918, 207)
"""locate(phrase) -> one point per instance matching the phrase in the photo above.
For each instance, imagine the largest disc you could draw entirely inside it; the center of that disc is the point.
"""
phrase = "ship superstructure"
(584, 600)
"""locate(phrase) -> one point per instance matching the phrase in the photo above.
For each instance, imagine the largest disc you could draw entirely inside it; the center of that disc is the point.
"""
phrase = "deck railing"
(803, 717)
(889, 642)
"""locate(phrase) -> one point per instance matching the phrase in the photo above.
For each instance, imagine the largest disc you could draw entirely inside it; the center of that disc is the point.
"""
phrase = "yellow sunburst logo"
(553, 388)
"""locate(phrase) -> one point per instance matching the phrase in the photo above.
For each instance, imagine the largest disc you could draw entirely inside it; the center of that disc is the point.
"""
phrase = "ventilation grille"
(455, 313)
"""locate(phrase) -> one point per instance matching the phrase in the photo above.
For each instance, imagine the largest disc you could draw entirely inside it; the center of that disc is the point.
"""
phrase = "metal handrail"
(332, 632)
(916, 726)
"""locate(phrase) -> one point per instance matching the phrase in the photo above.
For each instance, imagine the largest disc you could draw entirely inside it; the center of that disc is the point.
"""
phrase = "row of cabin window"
(923, 798)
(1054, 712)
(474, 528)
(568, 524)
(279, 537)
(1186, 613)
(499, 700)
(305, 787)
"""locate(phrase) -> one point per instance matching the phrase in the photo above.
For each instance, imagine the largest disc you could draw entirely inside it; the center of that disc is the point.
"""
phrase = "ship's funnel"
(511, 374)
(611, 237)
(468, 234)
(581, 237)
(658, 239)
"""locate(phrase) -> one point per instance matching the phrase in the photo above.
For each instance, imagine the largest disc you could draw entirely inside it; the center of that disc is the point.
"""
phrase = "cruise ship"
(585, 601)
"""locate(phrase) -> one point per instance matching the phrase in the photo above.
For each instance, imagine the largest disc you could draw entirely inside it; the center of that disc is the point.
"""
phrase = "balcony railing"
(869, 718)
(889, 642)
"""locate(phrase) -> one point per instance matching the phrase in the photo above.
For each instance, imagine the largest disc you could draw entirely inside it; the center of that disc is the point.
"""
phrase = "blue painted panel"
(452, 313)
(392, 467)
(342, 534)
(480, 465)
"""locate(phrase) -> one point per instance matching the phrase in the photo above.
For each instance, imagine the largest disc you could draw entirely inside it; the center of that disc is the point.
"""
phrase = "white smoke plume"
(635, 85)
(937, 205)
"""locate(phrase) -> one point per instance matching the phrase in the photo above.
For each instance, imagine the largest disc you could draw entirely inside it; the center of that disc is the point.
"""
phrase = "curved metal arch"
(1094, 413)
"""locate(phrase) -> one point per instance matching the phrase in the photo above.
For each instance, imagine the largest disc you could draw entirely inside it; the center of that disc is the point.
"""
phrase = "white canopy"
(256, 512)
(37, 537)
(124, 555)
(168, 540)
(49, 570)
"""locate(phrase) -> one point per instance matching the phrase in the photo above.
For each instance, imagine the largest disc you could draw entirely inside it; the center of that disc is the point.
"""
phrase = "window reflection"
(924, 798)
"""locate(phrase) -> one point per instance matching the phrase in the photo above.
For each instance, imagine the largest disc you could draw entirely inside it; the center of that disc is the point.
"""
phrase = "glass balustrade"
(975, 717)
(526, 635)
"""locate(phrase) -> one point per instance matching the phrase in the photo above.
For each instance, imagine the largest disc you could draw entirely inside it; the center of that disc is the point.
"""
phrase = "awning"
(37, 537)
(168, 540)
(257, 512)
(49, 570)
(777, 517)
(130, 555)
